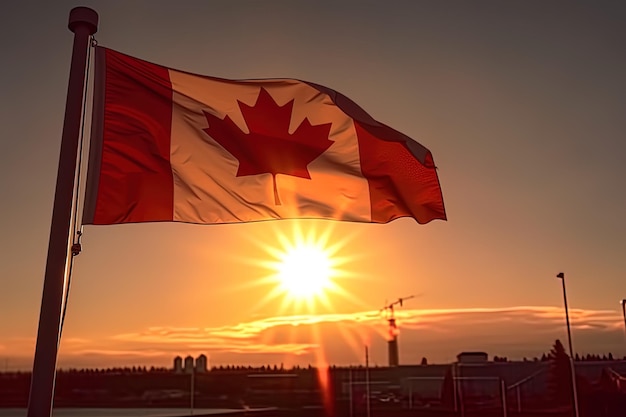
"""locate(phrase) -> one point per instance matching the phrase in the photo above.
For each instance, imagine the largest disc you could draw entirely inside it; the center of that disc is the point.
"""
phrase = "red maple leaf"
(269, 147)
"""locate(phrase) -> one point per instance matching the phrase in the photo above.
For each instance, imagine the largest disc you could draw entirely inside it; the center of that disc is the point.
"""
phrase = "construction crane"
(392, 343)
(389, 311)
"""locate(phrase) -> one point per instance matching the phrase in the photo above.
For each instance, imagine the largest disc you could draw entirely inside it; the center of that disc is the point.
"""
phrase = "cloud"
(448, 331)
(140, 353)
(516, 332)
(552, 317)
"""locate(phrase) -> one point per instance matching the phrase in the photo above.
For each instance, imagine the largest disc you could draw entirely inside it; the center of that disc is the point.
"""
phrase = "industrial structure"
(392, 343)
(190, 365)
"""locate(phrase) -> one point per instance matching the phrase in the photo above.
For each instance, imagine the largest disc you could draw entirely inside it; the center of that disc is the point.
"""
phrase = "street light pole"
(623, 302)
(561, 275)
(192, 391)
(367, 381)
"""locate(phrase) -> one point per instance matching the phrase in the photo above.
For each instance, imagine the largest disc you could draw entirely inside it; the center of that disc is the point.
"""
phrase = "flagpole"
(84, 23)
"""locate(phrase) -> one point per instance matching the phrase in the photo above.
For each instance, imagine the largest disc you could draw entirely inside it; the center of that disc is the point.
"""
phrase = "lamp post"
(561, 275)
(367, 381)
(623, 303)
(192, 389)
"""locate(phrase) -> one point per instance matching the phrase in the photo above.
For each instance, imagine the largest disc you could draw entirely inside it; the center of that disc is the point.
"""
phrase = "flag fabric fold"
(167, 145)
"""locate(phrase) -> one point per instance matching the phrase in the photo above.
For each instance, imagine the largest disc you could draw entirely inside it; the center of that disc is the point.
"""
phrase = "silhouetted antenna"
(388, 309)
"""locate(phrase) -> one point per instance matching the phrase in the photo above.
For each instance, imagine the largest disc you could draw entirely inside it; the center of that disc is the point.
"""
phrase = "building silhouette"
(178, 365)
(201, 364)
(189, 364)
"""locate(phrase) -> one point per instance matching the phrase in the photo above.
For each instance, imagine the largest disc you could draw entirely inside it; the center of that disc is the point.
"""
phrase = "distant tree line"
(278, 368)
(546, 357)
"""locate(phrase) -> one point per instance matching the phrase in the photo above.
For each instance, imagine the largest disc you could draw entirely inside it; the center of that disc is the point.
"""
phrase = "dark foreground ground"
(417, 413)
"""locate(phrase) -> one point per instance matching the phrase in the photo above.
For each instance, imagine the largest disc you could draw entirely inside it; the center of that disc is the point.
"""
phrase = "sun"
(305, 271)
(306, 268)
(302, 271)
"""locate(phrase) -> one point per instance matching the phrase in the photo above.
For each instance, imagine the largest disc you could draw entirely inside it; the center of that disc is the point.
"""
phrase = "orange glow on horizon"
(307, 272)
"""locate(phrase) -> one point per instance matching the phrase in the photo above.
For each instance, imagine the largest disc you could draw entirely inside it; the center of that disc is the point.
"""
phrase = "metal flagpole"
(561, 275)
(84, 23)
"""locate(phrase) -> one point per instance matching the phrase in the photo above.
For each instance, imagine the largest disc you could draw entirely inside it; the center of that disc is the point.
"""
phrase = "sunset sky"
(522, 104)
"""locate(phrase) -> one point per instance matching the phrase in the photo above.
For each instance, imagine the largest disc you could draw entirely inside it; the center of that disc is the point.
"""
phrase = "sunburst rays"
(306, 268)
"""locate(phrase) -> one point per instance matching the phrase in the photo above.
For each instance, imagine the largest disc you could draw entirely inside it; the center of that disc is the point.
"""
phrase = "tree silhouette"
(560, 376)
(449, 389)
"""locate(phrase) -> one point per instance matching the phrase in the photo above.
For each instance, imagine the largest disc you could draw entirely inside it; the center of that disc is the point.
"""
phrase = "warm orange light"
(305, 268)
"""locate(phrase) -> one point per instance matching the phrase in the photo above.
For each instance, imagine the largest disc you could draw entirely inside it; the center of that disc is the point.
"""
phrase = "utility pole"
(561, 275)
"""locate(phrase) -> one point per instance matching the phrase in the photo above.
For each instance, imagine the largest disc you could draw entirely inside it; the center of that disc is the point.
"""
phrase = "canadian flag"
(167, 145)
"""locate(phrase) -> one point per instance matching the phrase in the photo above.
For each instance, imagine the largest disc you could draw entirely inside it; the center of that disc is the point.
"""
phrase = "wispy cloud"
(291, 334)
(533, 315)
(437, 334)
(140, 353)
